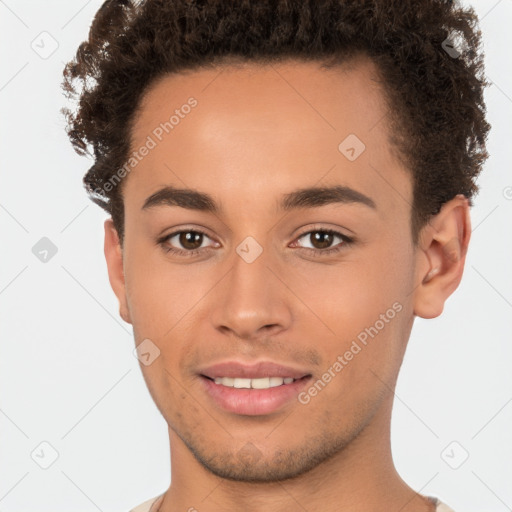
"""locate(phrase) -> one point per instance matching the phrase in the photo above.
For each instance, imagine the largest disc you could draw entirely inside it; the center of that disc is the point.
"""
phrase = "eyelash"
(314, 252)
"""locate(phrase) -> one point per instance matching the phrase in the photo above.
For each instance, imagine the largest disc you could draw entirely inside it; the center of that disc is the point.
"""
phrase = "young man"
(289, 187)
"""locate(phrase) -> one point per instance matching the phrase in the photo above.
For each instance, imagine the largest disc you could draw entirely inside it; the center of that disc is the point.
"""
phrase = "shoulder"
(149, 505)
(152, 505)
(441, 507)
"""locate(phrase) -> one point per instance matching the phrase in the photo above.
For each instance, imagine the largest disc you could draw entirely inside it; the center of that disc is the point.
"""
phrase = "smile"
(262, 383)
(253, 397)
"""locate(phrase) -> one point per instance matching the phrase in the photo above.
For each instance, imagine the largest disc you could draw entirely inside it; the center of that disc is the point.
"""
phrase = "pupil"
(189, 239)
(324, 239)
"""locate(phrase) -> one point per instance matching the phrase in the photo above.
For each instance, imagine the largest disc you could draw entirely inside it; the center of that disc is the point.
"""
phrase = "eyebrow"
(311, 197)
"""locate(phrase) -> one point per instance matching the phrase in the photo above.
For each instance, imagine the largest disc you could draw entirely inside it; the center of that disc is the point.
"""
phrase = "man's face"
(261, 284)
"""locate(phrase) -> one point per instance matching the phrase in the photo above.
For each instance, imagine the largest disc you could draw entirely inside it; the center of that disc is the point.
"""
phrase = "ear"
(114, 257)
(442, 248)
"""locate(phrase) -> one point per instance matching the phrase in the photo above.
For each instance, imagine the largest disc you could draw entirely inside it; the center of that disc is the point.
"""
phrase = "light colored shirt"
(153, 504)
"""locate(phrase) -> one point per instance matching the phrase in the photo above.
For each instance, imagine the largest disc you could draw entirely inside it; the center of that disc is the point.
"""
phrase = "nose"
(252, 301)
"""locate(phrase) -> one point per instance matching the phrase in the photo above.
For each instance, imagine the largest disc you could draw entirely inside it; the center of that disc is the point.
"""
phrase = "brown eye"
(190, 239)
(321, 239)
(323, 242)
(186, 242)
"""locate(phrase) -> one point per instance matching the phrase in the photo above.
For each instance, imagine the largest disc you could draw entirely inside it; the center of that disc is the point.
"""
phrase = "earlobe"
(114, 258)
(441, 257)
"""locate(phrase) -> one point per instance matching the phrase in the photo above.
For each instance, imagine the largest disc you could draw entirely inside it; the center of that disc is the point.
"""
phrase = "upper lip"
(251, 371)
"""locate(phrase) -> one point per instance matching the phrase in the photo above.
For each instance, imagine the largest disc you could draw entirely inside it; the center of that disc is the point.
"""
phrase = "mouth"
(258, 383)
(256, 390)
(258, 396)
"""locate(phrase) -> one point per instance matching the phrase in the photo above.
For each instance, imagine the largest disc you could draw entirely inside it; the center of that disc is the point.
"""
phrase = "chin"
(250, 465)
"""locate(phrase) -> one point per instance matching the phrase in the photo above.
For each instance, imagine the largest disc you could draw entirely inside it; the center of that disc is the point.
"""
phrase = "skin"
(259, 132)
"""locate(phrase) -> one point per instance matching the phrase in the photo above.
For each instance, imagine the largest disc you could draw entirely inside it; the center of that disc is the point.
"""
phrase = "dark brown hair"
(434, 89)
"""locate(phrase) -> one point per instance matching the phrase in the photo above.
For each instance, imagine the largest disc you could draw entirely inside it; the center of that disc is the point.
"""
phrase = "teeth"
(242, 383)
(263, 383)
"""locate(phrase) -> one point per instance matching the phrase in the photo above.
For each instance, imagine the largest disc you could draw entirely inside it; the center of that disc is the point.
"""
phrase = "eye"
(321, 241)
(189, 242)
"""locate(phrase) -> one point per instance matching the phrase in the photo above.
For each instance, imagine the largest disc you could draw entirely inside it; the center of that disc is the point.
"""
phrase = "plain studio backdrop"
(72, 393)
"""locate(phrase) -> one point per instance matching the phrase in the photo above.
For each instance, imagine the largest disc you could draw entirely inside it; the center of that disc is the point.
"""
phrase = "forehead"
(267, 128)
(270, 96)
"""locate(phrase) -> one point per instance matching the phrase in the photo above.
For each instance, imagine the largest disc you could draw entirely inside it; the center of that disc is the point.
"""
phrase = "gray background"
(68, 376)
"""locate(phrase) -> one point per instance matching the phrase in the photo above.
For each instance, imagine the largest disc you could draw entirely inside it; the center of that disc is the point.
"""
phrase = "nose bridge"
(251, 297)
(250, 270)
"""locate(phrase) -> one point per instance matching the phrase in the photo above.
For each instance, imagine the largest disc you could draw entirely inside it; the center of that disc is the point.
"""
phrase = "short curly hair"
(434, 87)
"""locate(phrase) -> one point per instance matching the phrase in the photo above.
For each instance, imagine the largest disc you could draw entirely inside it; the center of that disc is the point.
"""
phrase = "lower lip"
(253, 402)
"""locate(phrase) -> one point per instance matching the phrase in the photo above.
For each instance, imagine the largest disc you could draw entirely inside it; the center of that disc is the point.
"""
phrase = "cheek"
(160, 294)
(354, 292)
(360, 310)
